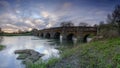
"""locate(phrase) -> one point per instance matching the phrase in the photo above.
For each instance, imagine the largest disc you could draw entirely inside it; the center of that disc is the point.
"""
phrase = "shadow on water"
(66, 43)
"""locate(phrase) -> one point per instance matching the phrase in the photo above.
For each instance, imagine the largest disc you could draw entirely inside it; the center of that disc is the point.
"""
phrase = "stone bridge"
(67, 33)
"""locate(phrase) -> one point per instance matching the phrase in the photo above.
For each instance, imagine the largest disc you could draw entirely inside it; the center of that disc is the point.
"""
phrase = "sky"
(24, 15)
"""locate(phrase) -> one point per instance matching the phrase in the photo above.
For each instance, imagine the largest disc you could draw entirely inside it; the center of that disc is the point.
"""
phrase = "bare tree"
(20, 31)
(67, 24)
(1, 32)
(83, 24)
(0, 29)
(114, 18)
(63, 24)
(102, 24)
(95, 25)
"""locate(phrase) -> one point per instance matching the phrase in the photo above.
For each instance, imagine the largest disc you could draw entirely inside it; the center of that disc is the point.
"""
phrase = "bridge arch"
(37, 34)
(70, 36)
(57, 35)
(85, 37)
(41, 35)
(47, 35)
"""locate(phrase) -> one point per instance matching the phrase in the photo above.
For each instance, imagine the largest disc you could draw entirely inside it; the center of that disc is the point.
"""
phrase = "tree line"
(70, 24)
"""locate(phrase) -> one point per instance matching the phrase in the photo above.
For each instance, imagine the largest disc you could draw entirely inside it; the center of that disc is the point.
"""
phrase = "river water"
(12, 43)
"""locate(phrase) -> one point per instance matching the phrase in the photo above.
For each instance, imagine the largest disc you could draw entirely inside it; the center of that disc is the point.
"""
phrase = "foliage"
(36, 65)
(2, 47)
(16, 34)
(19, 33)
(112, 27)
(42, 64)
(114, 18)
(83, 24)
(0, 29)
(66, 24)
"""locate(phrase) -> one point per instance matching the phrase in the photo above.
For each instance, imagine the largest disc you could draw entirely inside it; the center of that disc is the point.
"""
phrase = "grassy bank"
(2, 47)
(98, 54)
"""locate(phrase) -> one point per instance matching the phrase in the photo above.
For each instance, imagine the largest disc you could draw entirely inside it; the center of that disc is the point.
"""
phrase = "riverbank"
(97, 54)
(12, 34)
(2, 47)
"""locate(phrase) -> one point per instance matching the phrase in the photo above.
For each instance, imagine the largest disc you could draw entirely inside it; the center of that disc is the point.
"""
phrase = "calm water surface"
(12, 43)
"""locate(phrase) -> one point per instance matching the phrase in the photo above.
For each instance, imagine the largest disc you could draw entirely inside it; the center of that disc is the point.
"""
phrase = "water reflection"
(8, 58)
(44, 46)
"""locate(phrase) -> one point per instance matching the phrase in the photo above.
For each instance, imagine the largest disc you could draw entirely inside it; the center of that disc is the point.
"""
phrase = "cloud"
(11, 21)
(49, 19)
(10, 25)
(46, 15)
(39, 22)
(29, 22)
(18, 11)
(9, 30)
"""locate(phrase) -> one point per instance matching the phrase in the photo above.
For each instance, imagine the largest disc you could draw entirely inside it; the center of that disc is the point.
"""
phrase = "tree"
(114, 18)
(66, 24)
(83, 24)
(62, 24)
(95, 25)
(69, 24)
(102, 25)
(1, 30)
(19, 31)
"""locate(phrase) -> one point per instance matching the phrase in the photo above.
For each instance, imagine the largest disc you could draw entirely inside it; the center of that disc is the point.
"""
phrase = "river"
(12, 43)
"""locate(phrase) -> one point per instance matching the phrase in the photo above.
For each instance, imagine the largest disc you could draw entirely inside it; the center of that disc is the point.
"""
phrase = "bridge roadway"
(67, 33)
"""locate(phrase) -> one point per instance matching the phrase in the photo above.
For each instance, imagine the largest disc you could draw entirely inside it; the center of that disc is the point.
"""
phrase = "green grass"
(97, 54)
(36, 65)
(42, 64)
(2, 47)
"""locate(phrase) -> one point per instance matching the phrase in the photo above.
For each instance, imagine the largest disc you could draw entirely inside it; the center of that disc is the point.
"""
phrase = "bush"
(110, 34)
